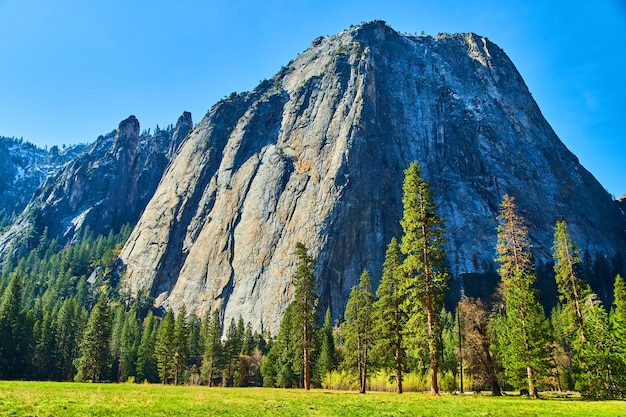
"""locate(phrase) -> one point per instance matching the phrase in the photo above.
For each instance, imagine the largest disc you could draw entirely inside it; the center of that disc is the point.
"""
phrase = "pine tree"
(164, 348)
(571, 289)
(289, 354)
(181, 346)
(232, 348)
(45, 349)
(129, 346)
(599, 372)
(524, 332)
(212, 357)
(248, 341)
(390, 319)
(15, 332)
(587, 324)
(358, 330)
(450, 363)
(618, 335)
(424, 265)
(70, 326)
(304, 309)
(618, 316)
(326, 361)
(119, 315)
(196, 345)
(93, 362)
(146, 359)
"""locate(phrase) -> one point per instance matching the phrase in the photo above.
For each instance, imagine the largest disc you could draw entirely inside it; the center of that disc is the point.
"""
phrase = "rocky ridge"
(105, 187)
(23, 168)
(316, 155)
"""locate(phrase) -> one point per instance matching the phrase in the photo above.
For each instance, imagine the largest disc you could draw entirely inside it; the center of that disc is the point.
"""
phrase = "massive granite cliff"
(105, 187)
(316, 155)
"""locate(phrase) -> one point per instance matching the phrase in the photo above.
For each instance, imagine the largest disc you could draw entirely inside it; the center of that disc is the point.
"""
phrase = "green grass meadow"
(74, 399)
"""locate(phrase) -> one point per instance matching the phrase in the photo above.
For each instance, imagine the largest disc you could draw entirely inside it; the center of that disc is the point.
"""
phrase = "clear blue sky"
(71, 70)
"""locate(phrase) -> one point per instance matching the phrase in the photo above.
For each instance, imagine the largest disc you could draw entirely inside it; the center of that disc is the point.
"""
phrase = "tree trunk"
(307, 375)
(432, 348)
(363, 376)
(398, 370)
(532, 389)
(493, 378)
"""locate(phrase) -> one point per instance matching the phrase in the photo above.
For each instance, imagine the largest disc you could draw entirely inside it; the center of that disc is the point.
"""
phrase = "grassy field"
(71, 399)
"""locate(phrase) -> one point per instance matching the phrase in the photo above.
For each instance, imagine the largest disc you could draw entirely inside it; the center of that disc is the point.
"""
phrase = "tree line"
(65, 329)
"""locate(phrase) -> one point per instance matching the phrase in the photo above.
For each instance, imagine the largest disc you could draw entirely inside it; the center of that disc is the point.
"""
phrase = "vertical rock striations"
(316, 155)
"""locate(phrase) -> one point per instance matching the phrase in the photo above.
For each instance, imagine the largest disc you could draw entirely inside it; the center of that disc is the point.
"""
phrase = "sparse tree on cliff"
(424, 265)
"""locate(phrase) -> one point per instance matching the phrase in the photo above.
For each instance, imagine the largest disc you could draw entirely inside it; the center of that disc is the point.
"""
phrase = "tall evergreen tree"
(212, 357)
(450, 363)
(357, 330)
(119, 315)
(599, 372)
(390, 319)
(326, 361)
(45, 349)
(618, 316)
(618, 334)
(129, 345)
(146, 352)
(15, 332)
(196, 343)
(288, 356)
(523, 333)
(70, 326)
(164, 348)
(181, 346)
(304, 309)
(424, 265)
(232, 349)
(571, 289)
(587, 324)
(93, 362)
(248, 341)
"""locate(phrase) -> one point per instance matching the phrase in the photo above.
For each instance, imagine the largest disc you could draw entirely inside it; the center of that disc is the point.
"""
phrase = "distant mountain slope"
(103, 188)
(23, 168)
(316, 155)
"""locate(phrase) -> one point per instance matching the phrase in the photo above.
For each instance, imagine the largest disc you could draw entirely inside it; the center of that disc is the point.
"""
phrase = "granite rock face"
(316, 155)
(23, 168)
(105, 187)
